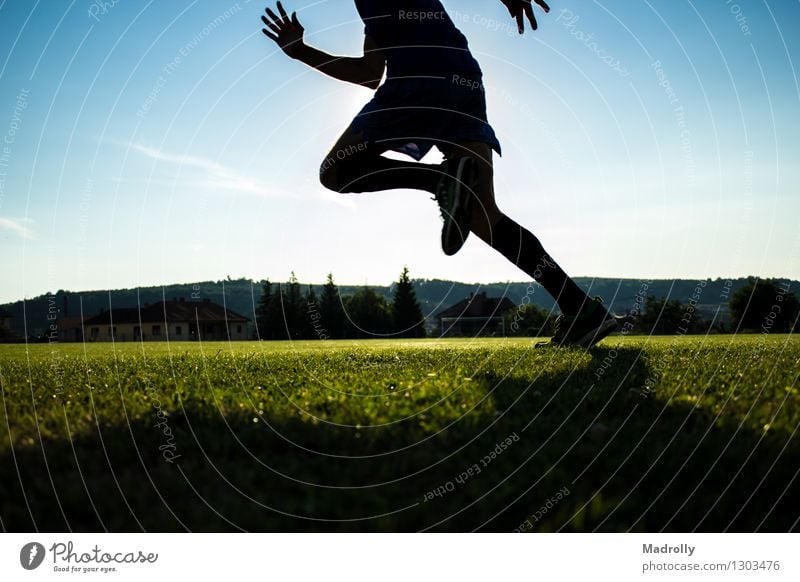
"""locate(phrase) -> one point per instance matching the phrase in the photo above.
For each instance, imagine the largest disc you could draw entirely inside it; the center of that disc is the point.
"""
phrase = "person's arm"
(519, 9)
(366, 70)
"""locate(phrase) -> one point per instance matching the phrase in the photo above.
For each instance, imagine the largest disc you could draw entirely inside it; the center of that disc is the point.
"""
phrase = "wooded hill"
(242, 295)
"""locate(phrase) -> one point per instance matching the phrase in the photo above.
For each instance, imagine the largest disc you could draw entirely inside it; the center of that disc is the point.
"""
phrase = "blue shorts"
(411, 115)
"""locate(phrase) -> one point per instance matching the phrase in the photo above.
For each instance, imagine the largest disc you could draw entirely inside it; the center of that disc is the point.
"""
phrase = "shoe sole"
(456, 230)
(597, 334)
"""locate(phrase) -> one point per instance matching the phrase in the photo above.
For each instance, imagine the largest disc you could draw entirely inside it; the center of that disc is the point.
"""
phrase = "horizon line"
(474, 283)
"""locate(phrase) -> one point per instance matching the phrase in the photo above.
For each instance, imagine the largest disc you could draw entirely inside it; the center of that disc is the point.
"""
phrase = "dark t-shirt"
(417, 37)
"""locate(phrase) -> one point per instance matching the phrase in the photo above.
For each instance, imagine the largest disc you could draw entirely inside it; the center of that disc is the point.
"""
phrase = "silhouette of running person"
(433, 95)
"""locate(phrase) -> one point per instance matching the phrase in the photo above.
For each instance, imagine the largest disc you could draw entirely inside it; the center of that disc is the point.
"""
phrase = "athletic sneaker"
(454, 196)
(592, 323)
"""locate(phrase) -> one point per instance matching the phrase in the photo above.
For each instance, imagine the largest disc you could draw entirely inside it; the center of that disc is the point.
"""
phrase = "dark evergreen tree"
(311, 296)
(330, 309)
(263, 323)
(293, 308)
(276, 325)
(313, 327)
(285, 312)
(368, 313)
(407, 318)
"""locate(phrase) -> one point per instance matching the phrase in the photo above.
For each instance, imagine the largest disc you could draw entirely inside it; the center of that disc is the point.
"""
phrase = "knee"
(328, 176)
(343, 175)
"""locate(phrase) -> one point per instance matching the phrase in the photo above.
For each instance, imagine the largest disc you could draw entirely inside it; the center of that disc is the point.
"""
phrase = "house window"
(112, 331)
(137, 332)
(157, 330)
(95, 331)
(239, 328)
(178, 330)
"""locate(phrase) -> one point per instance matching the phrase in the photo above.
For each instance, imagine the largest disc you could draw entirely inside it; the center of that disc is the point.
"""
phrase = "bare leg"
(485, 214)
(356, 165)
(510, 239)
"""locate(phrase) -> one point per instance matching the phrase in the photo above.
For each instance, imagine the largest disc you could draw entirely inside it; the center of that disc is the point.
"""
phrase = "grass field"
(638, 434)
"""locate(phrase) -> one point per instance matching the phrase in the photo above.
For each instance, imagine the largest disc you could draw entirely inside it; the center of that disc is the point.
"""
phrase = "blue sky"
(151, 143)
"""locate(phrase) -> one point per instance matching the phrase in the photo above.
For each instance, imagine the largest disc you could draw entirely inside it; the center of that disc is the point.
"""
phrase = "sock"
(376, 173)
(523, 249)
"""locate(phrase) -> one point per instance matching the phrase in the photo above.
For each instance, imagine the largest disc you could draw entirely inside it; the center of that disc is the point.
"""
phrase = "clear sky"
(159, 142)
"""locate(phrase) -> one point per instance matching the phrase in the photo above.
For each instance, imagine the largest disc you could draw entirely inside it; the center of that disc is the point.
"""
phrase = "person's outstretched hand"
(286, 32)
(519, 9)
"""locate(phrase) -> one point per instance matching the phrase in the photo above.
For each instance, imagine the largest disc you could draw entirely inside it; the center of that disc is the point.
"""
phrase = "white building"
(178, 320)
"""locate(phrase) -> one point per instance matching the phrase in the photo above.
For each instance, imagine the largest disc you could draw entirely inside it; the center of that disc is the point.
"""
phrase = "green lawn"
(445, 435)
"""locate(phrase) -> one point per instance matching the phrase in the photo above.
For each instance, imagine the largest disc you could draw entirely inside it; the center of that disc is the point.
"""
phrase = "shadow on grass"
(569, 451)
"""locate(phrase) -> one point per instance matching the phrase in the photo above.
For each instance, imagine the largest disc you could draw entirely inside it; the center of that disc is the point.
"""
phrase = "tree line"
(762, 306)
(285, 312)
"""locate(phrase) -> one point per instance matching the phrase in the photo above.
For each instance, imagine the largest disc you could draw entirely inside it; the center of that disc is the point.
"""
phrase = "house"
(176, 320)
(475, 315)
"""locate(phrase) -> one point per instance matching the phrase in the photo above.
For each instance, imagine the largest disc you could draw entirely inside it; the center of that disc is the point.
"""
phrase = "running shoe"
(592, 323)
(454, 196)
